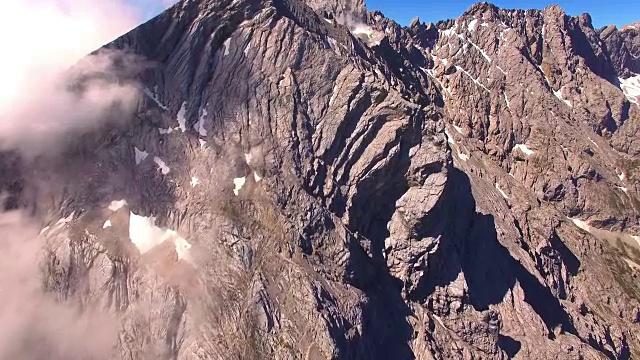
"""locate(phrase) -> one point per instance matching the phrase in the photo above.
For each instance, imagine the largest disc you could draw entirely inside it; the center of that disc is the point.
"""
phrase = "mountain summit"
(309, 180)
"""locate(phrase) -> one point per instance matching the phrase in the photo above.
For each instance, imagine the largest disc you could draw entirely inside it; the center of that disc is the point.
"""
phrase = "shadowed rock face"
(319, 190)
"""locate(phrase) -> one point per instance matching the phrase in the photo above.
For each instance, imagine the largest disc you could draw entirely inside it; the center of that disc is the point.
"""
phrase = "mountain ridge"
(297, 182)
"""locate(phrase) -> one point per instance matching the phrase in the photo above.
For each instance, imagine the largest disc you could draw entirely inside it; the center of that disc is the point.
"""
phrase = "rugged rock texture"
(464, 190)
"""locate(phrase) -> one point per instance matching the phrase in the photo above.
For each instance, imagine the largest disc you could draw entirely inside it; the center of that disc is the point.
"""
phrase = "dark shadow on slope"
(510, 345)
(569, 259)
(490, 270)
(595, 56)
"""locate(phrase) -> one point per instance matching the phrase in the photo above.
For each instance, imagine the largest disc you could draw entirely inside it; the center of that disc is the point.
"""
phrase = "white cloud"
(41, 40)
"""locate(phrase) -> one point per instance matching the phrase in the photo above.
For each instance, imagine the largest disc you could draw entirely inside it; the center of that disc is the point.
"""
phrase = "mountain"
(310, 180)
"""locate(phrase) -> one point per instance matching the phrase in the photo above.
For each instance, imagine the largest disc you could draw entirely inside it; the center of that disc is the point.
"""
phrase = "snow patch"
(165, 131)
(201, 130)
(334, 93)
(368, 34)
(558, 94)
(581, 224)
(449, 137)
(238, 183)
(161, 165)
(458, 129)
(145, 235)
(247, 48)
(506, 99)
(182, 247)
(636, 238)
(106, 224)
(182, 121)
(247, 158)
(226, 46)
(501, 70)
(472, 25)
(65, 220)
(524, 149)
(463, 156)
(593, 142)
(140, 155)
(472, 78)
(202, 143)
(631, 88)
(504, 195)
(256, 176)
(117, 205)
(624, 189)
(154, 97)
(621, 176)
(194, 181)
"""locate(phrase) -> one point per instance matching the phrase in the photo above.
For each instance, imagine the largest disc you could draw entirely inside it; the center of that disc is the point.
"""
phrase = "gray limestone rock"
(296, 187)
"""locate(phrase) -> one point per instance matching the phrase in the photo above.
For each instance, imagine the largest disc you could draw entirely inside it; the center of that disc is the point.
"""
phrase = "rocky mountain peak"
(305, 179)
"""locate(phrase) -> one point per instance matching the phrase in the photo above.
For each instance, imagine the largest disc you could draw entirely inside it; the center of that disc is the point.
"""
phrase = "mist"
(43, 42)
(51, 91)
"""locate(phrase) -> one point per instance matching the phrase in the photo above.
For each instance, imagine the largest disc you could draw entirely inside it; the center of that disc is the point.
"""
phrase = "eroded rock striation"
(314, 181)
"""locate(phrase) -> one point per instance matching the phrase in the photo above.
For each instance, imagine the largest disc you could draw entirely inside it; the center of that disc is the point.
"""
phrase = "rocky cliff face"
(313, 181)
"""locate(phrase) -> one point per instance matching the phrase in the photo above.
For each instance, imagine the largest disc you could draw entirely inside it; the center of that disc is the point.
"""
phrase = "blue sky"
(603, 12)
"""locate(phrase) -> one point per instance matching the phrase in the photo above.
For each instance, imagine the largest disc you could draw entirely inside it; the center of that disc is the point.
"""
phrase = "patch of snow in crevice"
(558, 94)
(462, 156)
(256, 176)
(140, 155)
(472, 25)
(238, 183)
(624, 189)
(165, 131)
(621, 176)
(182, 248)
(484, 24)
(593, 142)
(247, 158)
(106, 224)
(506, 99)
(504, 195)
(501, 70)
(201, 130)
(161, 165)
(145, 235)
(513, 176)
(472, 78)
(202, 143)
(154, 97)
(544, 76)
(194, 181)
(448, 32)
(524, 149)
(226, 45)
(117, 205)
(581, 224)
(334, 93)
(65, 220)
(636, 238)
(631, 88)
(182, 121)
(458, 129)
(484, 54)
(370, 35)
(247, 48)
(449, 137)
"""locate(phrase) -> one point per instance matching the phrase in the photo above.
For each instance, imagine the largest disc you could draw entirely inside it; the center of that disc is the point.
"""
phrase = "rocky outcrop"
(295, 186)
